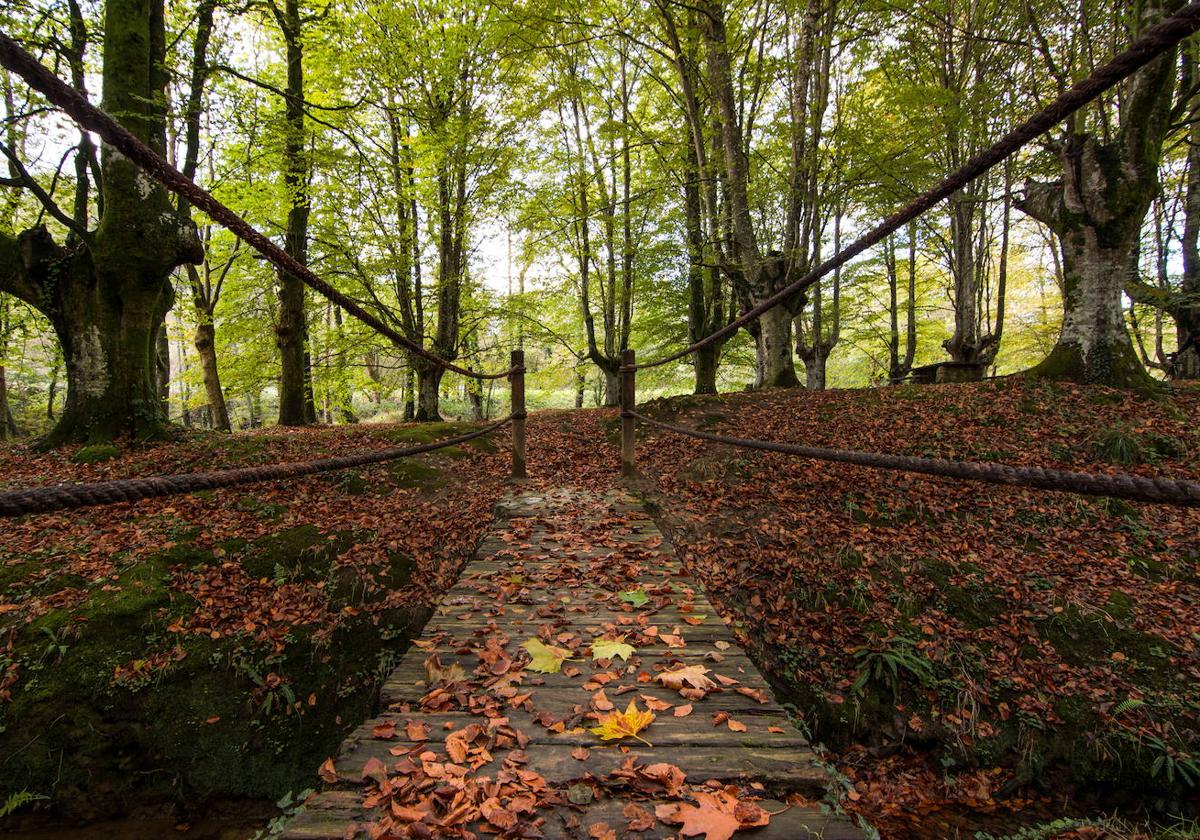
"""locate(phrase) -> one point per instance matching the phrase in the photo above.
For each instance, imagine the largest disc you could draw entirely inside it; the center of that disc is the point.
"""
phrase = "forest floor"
(975, 658)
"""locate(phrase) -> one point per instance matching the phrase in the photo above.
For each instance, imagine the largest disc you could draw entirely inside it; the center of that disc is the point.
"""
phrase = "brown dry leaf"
(417, 730)
(667, 775)
(626, 724)
(735, 725)
(328, 772)
(385, 730)
(580, 753)
(497, 815)
(637, 818)
(687, 677)
(601, 831)
(683, 711)
(755, 694)
(375, 769)
(654, 704)
(601, 703)
(716, 815)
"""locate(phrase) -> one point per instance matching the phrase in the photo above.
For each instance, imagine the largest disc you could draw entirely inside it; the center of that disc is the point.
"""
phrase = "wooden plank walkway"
(476, 740)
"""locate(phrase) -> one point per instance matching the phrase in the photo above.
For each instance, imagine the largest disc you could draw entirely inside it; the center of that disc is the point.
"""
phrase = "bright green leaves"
(635, 597)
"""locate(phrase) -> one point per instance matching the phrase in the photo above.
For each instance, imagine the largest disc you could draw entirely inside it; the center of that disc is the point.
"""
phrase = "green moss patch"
(96, 453)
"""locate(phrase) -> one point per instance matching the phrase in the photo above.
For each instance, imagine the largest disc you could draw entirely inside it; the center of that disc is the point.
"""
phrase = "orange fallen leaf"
(627, 724)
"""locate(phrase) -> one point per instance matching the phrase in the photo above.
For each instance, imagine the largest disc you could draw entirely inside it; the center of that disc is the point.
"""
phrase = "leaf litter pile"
(962, 649)
(952, 641)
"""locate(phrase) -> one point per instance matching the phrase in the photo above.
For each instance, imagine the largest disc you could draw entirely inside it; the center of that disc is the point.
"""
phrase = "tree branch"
(27, 181)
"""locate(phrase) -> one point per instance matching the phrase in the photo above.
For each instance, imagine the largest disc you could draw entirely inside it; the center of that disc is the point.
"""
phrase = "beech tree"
(106, 290)
(1108, 162)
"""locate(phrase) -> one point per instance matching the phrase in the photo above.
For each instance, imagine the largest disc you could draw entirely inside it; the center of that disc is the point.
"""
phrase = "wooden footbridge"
(476, 739)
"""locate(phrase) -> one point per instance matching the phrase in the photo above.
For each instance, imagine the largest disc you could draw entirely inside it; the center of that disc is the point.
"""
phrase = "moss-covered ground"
(180, 652)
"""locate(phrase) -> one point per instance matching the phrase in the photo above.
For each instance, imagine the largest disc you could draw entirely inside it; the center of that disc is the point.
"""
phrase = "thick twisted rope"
(1149, 45)
(1167, 491)
(68, 496)
(87, 115)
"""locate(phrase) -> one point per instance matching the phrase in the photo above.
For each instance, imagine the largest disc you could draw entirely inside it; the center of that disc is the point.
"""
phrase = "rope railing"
(1148, 46)
(77, 106)
(1137, 488)
(70, 496)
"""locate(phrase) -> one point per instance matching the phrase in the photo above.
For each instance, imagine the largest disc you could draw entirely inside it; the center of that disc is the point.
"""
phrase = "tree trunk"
(206, 349)
(773, 359)
(475, 399)
(1096, 209)
(1094, 344)
(706, 361)
(296, 404)
(814, 367)
(110, 346)
(612, 387)
(52, 392)
(289, 338)
(410, 388)
(580, 385)
(429, 381)
(4, 412)
(107, 292)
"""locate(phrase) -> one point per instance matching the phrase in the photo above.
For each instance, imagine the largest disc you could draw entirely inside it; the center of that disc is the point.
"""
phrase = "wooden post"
(517, 380)
(628, 403)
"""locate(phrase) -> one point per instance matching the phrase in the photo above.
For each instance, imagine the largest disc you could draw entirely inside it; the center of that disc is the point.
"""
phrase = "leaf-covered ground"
(219, 645)
(951, 641)
(973, 656)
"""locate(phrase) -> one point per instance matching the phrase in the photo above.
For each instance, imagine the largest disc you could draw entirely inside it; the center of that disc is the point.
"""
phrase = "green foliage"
(1121, 445)
(18, 800)
(893, 660)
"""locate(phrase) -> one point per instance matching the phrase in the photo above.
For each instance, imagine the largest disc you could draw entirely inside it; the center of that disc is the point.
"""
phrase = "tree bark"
(296, 403)
(206, 349)
(106, 294)
(410, 389)
(4, 410)
(429, 383)
(1096, 209)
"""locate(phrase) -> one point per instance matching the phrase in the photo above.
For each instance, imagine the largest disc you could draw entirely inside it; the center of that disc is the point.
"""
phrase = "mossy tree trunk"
(429, 384)
(297, 406)
(1096, 209)
(106, 292)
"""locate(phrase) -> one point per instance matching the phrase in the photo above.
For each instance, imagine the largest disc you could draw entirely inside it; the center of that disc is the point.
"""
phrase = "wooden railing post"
(517, 380)
(628, 403)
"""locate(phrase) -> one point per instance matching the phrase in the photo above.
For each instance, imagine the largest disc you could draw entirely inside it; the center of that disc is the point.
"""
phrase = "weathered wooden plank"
(544, 572)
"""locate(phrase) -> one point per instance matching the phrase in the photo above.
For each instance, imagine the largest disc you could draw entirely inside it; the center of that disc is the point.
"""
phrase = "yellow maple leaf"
(611, 648)
(545, 658)
(626, 724)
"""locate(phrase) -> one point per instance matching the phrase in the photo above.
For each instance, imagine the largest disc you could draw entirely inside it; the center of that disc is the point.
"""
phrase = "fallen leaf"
(611, 648)
(688, 676)
(544, 658)
(627, 724)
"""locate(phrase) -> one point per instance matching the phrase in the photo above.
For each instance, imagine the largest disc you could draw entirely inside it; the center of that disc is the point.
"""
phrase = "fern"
(18, 800)
(1127, 705)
